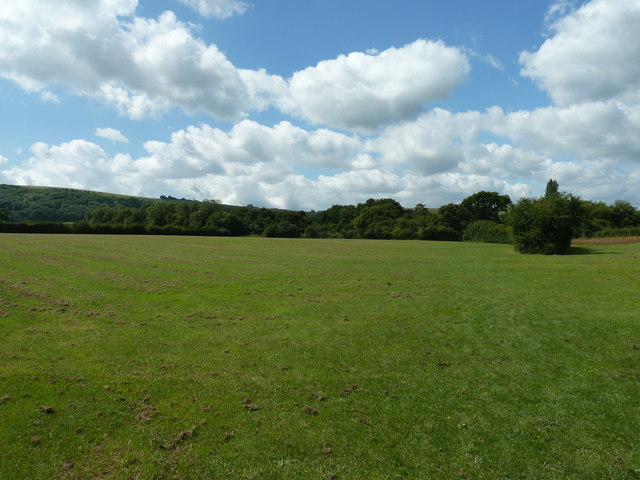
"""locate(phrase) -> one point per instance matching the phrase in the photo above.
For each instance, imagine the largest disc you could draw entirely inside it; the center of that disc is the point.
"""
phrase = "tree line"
(374, 219)
(534, 225)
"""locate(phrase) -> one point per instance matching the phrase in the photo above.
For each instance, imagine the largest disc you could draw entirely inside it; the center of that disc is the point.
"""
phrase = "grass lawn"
(125, 357)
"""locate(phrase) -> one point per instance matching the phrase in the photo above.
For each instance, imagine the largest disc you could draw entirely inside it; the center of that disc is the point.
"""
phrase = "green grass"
(214, 358)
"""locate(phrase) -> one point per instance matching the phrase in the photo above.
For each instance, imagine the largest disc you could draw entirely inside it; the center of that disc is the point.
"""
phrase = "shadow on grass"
(588, 251)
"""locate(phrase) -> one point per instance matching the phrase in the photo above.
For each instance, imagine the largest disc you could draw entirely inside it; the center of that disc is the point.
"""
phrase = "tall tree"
(552, 188)
(377, 218)
(485, 206)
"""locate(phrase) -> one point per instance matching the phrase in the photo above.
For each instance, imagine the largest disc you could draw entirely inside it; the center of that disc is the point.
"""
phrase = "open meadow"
(153, 357)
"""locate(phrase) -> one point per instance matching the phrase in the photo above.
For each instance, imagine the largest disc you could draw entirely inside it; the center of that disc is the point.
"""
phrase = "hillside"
(58, 204)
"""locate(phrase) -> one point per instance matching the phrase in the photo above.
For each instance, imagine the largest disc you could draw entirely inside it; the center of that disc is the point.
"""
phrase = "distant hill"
(54, 204)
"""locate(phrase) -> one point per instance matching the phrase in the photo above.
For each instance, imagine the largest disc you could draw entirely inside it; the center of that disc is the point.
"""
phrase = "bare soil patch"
(605, 240)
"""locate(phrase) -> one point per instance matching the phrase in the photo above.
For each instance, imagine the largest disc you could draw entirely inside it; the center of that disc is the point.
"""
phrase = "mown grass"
(198, 358)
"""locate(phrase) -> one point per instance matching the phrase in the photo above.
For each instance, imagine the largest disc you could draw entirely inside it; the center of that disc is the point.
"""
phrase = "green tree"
(484, 206)
(200, 217)
(335, 221)
(596, 216)
(552, 188)
(377, 218)
(421, 211)
(453, 216)
(4, 215)
(545, 225)
(623, 214)
(288, 224)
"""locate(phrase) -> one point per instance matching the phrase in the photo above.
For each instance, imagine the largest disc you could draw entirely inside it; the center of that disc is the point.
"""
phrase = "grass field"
(215, 358)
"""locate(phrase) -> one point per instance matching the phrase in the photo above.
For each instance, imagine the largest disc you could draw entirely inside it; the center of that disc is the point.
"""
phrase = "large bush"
(545, 225)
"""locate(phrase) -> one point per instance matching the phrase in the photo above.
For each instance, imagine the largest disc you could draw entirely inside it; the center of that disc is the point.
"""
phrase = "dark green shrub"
(545, 225)
(35, 227)
(438, 232)
(487, 231)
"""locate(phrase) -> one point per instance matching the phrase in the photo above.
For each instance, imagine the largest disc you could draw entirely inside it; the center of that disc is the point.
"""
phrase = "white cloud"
(431, 144)
(503, 161)
(489, 59)
(493, 61)
(220, 9)
(111, 134)
(557, 10)
(584, 131)
(203, 150)
(590, 148)
(589, 65)
(253, 163)
(143, 67)
(593, 55)
(75, 164)
(139, 66)
(48, 96)
(366, 91)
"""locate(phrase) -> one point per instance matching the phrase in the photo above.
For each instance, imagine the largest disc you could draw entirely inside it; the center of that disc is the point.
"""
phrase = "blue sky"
(296, 104)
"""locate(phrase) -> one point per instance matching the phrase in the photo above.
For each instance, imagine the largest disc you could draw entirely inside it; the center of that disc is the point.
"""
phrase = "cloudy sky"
(306, 104)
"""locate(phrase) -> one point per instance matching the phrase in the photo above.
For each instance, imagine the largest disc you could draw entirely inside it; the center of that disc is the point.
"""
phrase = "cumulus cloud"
(592, 55)
(75, 164)
(250, 163)
(111, 134)
(220, 9)
(204, 149)
(365, 91)
(503, 161)
(143, 67)
(587, 139)
(583, 146)
(253, 163)
(101, 49)
(584, 131)
(431, 144)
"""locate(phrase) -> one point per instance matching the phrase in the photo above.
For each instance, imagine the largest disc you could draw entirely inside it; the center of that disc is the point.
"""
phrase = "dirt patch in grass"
(246, 403)
(146, 412)
(180, 437)
(309, 410)
(606, 240)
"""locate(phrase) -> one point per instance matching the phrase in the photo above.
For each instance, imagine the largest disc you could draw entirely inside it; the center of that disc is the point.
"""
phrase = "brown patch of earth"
(246, 403)
(146, 412)
(605, 240)
(180, 437)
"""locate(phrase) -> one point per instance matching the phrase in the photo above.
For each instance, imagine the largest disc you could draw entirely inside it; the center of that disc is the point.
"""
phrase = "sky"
(308, 104)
